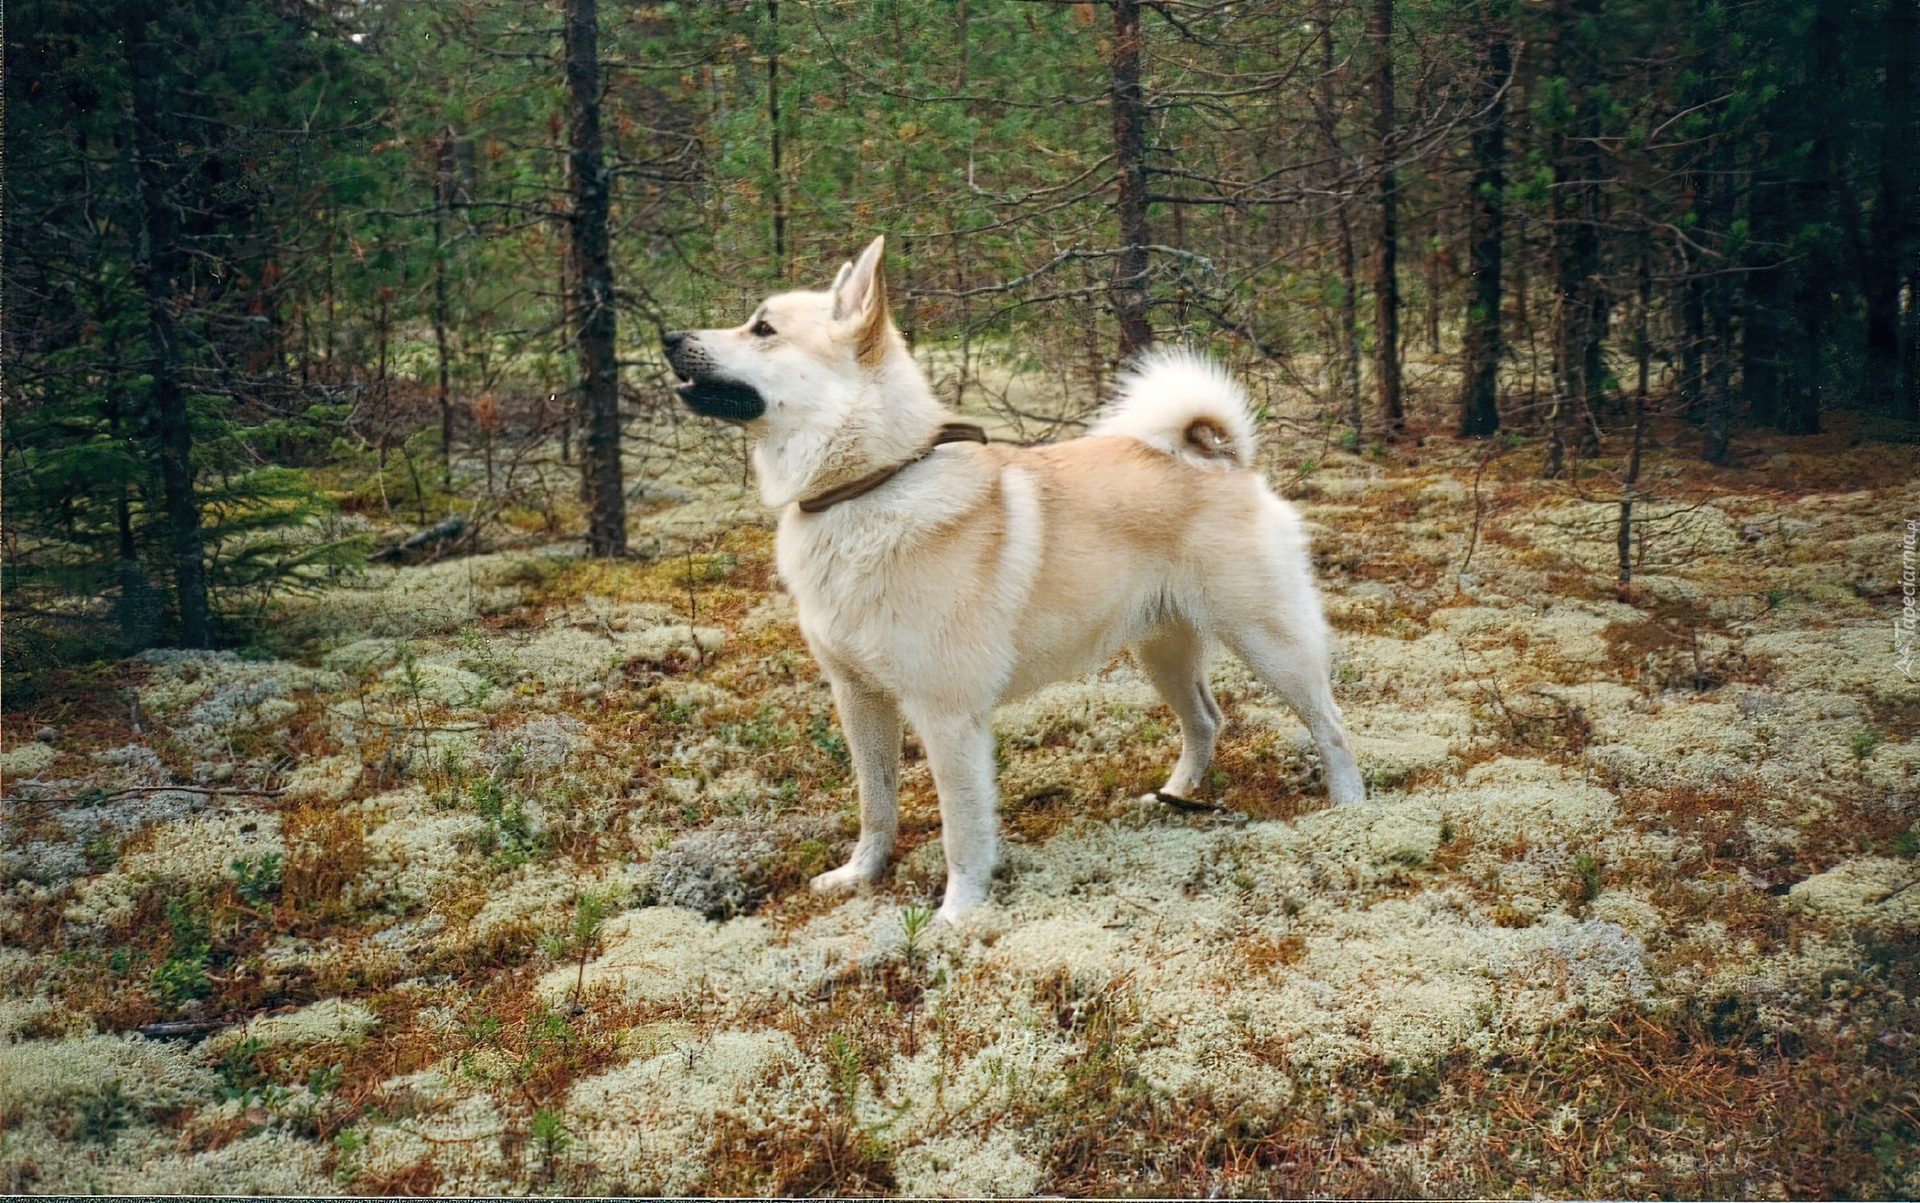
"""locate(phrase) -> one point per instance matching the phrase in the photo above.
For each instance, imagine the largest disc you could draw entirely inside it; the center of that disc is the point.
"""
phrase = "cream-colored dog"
(935, 579)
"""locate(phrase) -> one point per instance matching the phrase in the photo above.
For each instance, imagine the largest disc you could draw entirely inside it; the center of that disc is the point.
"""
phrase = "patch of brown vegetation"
(1529, 722)
(90, 705)
(859, 1016)
(1723, 876)
(1663, 652)
(1692, 1102)
(1894, 718)
(1579, 584)
(1512, 540)
(110, 1001)
(326, 851)
(417, 1180)
(1107, 1127)
(825, 1155)
(1264, 953)
(1713, 820)
(1264, 782)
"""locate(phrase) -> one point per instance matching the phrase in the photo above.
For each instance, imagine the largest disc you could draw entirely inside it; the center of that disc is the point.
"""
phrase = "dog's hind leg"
(871, 719)
(960, 753)
(1296, 667)
(1174, 658)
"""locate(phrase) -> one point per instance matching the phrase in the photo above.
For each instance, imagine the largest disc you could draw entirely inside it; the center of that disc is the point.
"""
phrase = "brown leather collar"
(951, 432)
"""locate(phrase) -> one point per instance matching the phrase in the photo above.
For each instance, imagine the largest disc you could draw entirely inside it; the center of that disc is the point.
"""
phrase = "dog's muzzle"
(702, 388)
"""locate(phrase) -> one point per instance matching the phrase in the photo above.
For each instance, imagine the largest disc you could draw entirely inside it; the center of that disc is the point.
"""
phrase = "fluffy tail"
(1176, 400)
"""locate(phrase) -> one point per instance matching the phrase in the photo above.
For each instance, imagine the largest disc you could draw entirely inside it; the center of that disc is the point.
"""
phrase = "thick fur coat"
(978, 573)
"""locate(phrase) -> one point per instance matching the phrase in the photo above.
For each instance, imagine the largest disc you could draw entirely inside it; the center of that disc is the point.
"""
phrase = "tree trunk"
(1567, 336)
(1759, 344)
(1346, 374)
(333, 235)
(960, 35)
(133, 608)
(1693, 335)
(1716, 389)
(1523, 313)
(565, 391)
(163, 262)
(1642, 346)
(1129, 144)
(1892, 244)
(594, 319)
(1716, 207)
(1349, 371)
(1582, 327)
(1386, 282)
(910, 300)
(1911, 354)
(1576, 251)
(773, 129)
(910, 308)
(1813, 279)
(1432, 267)
(1481, 347)
(1593, 371)
(443, 198)
(1642, 352)
(1760, 327)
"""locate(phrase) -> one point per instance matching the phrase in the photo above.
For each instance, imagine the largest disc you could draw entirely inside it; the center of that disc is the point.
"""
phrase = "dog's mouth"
(724, 399)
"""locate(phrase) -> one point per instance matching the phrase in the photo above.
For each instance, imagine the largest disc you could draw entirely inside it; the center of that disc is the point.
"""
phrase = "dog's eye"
(761, 329)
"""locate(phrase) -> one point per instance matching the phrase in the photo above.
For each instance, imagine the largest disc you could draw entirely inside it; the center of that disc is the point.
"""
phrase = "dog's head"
(797, 359)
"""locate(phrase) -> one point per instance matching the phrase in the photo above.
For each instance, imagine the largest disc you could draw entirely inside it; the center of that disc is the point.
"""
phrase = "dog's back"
(1029, 564)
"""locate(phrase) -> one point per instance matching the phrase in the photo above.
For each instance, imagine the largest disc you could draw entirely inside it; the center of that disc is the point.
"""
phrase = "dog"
(936, 575)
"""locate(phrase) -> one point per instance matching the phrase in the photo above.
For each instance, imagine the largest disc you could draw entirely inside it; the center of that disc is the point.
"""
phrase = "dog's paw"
(951, 916)
(961, 897)
(1346, 785)
(835, 881)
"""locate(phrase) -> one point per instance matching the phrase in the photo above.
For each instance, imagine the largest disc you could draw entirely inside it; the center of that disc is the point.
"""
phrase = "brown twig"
(1479, 509)
(161, 789)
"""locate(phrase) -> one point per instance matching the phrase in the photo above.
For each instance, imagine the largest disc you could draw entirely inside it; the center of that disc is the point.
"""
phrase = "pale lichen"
(27, 760)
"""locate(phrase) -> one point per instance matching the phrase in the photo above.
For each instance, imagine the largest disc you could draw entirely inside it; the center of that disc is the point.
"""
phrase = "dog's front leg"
(871, 720)
(960, 753)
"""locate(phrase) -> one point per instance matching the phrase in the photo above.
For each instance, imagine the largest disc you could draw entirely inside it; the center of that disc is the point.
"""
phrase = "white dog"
(935, 579)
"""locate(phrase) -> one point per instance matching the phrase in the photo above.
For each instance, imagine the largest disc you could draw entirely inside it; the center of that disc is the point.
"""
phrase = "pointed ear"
(839, 282)
(860, 297)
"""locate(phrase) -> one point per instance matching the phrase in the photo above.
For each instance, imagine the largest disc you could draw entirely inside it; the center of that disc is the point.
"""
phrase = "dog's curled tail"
(1178, 401)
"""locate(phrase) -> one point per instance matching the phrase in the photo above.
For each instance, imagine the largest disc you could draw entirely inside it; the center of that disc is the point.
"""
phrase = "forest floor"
(494, 881)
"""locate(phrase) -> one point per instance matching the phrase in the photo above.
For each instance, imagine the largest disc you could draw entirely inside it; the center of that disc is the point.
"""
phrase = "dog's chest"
(877, 584)
(933, 559)
(839, 581)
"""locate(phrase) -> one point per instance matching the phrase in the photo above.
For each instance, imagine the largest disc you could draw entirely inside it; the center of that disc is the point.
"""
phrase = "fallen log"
(449, 528)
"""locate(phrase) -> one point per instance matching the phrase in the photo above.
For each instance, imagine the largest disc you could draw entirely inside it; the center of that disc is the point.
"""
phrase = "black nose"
(671, 339)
